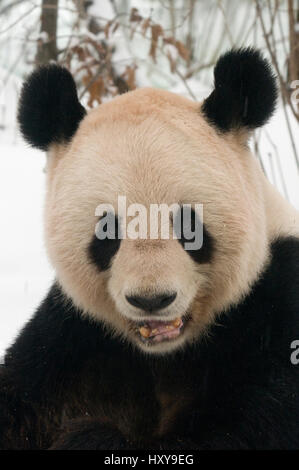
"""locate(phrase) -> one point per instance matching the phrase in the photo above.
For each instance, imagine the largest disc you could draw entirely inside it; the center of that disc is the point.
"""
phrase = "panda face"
(154, 147)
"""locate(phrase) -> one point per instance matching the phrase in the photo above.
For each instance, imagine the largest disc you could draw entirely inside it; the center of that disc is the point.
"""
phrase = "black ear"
(49, 109)
(245, 91)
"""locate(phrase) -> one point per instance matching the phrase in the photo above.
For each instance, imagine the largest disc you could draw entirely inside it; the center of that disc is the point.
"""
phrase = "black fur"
(245, 91)
(101, 252)
(203, 254)
(49, 110)
(67, 384)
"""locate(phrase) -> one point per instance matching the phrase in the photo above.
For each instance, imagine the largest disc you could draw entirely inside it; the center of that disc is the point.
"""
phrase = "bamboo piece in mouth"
(145, 332)
(176, 323)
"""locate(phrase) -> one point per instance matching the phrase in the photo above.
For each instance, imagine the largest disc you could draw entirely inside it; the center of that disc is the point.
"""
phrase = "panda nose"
(156, 302)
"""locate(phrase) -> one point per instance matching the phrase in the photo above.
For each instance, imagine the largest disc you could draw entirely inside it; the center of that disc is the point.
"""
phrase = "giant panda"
(141, 344)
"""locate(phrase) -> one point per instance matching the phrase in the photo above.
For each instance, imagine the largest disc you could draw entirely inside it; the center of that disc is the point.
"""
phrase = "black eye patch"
(100, 251)
(205, 252)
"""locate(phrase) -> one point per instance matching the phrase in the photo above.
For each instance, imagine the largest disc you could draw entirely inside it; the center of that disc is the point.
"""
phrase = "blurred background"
(112, 46)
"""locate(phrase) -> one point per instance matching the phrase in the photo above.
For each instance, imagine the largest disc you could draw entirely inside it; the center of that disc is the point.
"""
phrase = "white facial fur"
(155, 147)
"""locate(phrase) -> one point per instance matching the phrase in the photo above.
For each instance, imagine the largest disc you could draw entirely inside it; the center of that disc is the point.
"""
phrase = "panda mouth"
(156, 331)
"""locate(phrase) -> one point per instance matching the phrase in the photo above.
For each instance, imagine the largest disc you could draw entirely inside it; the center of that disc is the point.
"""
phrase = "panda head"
(153, 147)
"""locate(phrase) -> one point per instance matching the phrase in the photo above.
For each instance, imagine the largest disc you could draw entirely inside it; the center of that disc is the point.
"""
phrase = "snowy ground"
(25, 274)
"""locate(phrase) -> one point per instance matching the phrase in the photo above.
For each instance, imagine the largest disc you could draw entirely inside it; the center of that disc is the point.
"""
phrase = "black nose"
(155, 302)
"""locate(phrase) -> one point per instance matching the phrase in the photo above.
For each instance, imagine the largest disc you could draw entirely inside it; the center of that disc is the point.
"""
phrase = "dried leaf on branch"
(156, 31)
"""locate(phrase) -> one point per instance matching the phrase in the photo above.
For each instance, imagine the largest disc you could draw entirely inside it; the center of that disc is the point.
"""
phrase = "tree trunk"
(47, 47)
(294, 41)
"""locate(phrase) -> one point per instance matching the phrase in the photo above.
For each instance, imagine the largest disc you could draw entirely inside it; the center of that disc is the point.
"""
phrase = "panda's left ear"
(245, 91)
(49, 110)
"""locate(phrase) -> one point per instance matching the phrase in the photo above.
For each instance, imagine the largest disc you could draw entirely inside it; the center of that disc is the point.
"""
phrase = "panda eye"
(105, 242)
(203, 254)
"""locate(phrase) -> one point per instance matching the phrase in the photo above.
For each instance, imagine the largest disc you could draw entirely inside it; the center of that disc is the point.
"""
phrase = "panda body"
(80, 375)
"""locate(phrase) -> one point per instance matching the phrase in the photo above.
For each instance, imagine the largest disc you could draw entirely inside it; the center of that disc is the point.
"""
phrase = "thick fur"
(69, 385)
(49, 110)
(245, 91)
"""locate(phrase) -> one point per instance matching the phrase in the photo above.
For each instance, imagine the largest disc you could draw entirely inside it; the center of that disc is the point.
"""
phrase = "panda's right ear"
(49, 110)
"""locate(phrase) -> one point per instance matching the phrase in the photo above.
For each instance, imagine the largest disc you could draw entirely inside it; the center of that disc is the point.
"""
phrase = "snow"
(25, 274)
(276, 152)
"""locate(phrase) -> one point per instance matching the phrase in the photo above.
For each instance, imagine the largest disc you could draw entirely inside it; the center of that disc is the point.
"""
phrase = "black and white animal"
(96, 366)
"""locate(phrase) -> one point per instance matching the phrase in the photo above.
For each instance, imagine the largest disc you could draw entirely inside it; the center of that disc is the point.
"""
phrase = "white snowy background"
(25, 274)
